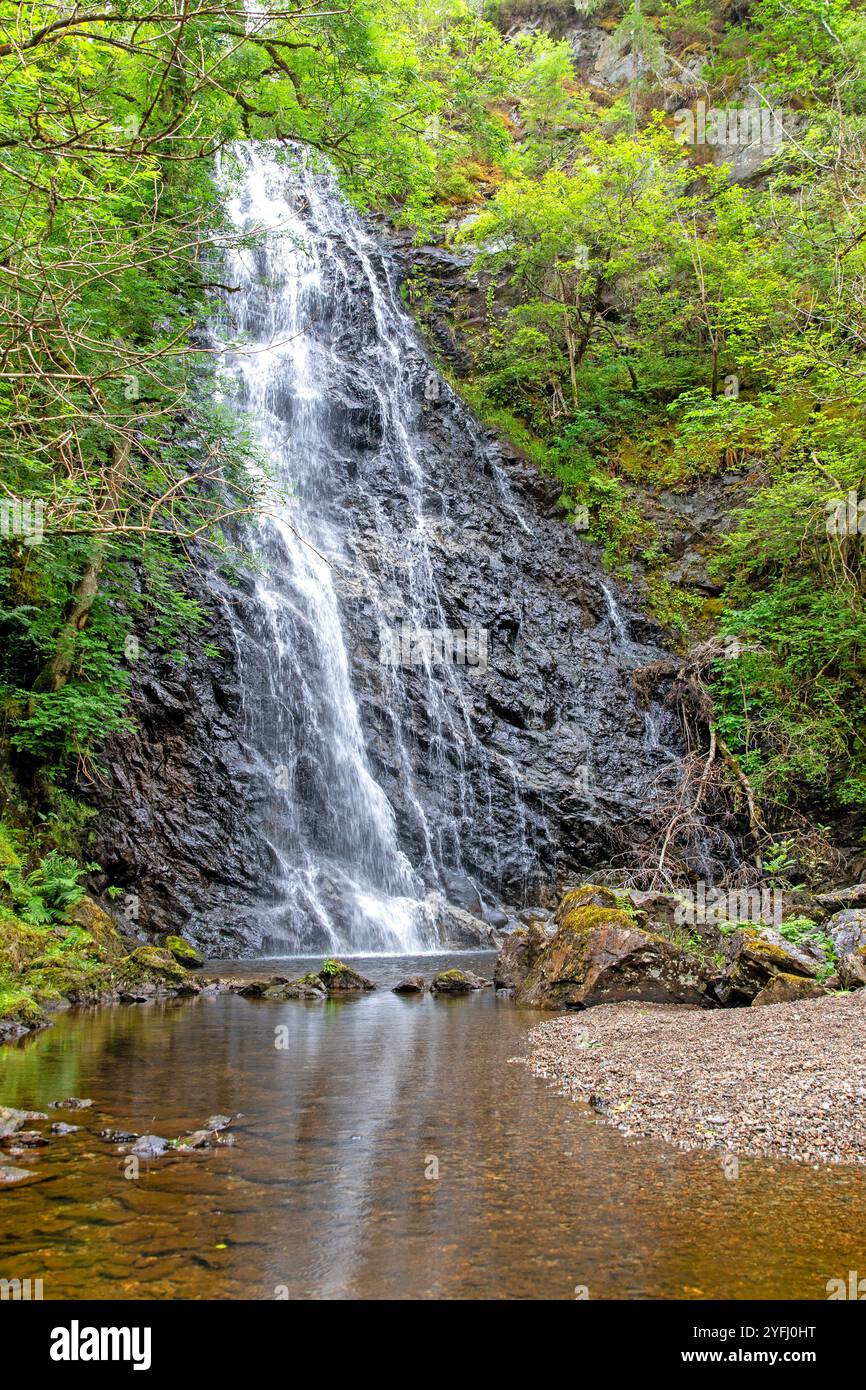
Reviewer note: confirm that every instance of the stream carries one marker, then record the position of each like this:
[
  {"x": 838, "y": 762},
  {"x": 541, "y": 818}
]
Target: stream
[{"x": 329, "y": 1190}]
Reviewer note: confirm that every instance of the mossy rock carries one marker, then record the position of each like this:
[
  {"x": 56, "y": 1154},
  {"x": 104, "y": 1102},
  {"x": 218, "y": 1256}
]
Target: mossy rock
[
  {"x": 153, "y": 964},
  {"x": 599, "y": 956},
  {"x": 97, "y": 923},
  {"x": 587, "y": 918},
  {"x": 339, "y": 978},
  {"x": 788, "y": 989},
  {"x": 184, "y": 952},
  {"x": 450, "y": 982}
]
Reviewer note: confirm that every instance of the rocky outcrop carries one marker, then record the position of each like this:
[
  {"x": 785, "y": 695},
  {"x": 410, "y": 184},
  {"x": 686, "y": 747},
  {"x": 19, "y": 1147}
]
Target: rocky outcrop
[{"x": 599, "y": 956}]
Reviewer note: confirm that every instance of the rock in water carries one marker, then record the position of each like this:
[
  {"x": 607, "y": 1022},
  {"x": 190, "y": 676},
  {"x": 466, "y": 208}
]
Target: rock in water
[
  {"x": 457, "y": 982},
  {"x": 339, "y": 978},
  {"x": 520, "y": 951},
  {"x": 412, "y": 984},
  {"x": 10, "y": 1174},
  {"x": 599, "y": 956}
]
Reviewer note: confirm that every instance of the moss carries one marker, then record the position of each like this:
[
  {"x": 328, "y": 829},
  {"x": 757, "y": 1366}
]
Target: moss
[
  {"x": 183, "y": 951},
  {"x": 586, "y": 919},
  {"x": 451, "y": 975}
]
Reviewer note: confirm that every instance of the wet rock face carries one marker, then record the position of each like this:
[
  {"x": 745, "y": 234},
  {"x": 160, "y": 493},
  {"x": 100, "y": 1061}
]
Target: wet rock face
[{"x": 535, "y": 763}]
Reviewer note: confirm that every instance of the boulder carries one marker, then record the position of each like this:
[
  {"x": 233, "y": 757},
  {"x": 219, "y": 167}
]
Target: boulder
[
  {"x": 412, "y": 984},
  {"x": 339, "y": 978},
  {"x": 456, "y": 982},
  {"x": 599, "y": 956},
  {"x": 788, "y": 989},
  {"x": 461, "y": 930},
  {"x": 518, "y": 953},
  {"x": 847, "y": 931},
  {"x": 760, "y": 955},
  {"x": 463, "y": 893}
]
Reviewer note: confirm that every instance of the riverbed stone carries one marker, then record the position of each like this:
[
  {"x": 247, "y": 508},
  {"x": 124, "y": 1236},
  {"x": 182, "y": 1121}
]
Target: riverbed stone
[
  {"x": 518, "y": 953},
  {"x": 599, "y": 956},
  {"x": 11, "y": 1120},
  {"x": 788, "y": 989},
  {"x": 149, "y": 1146},
  {"x": 9, "y": 1174}
]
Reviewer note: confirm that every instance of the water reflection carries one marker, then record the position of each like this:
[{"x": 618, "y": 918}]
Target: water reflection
[{"x": 326, "y": 1190}]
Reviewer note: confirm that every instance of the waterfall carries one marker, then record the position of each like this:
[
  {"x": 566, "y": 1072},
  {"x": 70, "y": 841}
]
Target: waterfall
[
  {"x": 384, "y": 769},
  {"x": 340, "y": 877}
]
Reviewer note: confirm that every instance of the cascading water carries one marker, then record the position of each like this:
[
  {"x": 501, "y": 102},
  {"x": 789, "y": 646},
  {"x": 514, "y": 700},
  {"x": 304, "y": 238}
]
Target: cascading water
[
  {"x": 340, "y": 876},
  {"x": 363, "y": 784}
]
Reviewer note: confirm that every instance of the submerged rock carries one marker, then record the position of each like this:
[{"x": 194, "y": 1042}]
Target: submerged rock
[
  {"x": 412, "y": 984},
  {"x": 788, "y": 989},
  {"x": 150, "y": 1146},
  {"x": 9, "y": 1174},
  {"x": 599, "y": 956},
  {"x": 71, "y": 1103},
  {"x": 28, "y": 1139},
  {"x": 519, "y": 953}
]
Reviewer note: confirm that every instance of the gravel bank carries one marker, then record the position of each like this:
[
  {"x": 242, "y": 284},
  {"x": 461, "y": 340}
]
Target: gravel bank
[{"x": 786, "y": 1080}]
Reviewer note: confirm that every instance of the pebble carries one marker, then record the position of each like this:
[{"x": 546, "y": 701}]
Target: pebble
[{"x": 784, "y": 1081}]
